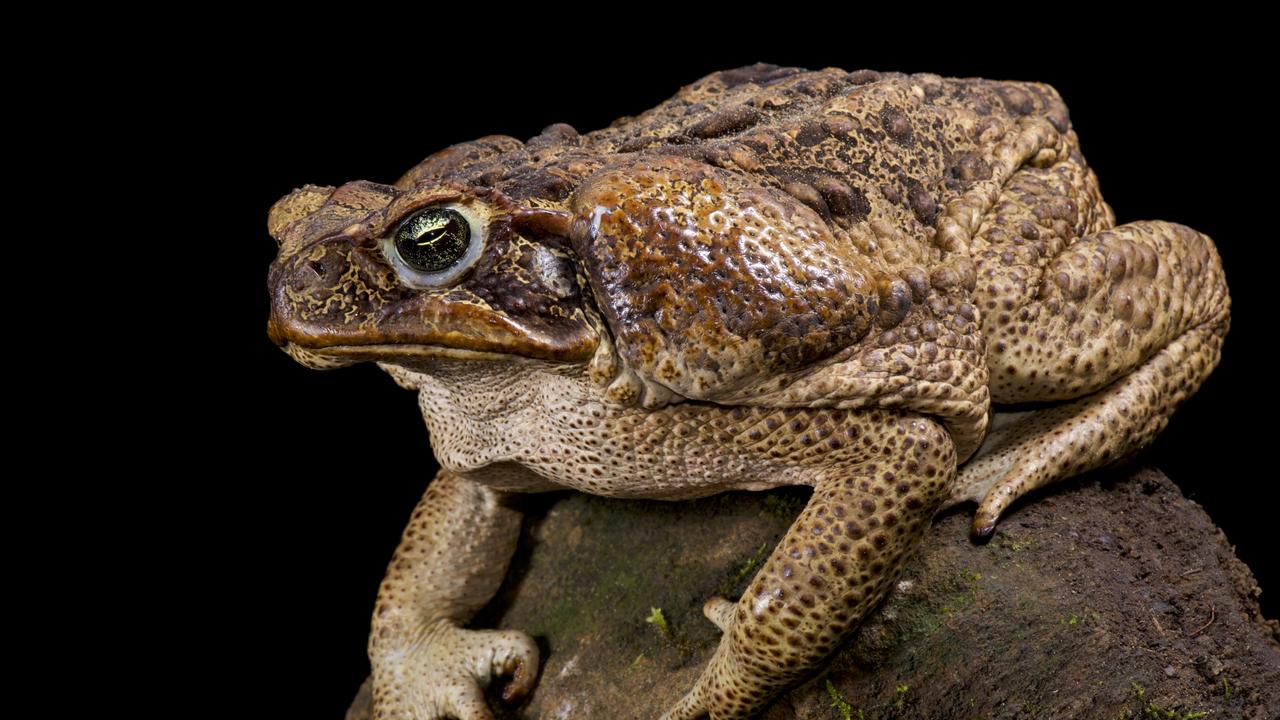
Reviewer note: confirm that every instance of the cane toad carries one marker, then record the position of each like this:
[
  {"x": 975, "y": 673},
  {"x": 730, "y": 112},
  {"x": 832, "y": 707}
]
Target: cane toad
[{"x": 775, "y": 277}]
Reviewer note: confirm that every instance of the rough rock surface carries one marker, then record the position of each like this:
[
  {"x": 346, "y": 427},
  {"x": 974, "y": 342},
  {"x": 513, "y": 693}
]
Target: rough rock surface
[{"x": 1109, "y": 597}]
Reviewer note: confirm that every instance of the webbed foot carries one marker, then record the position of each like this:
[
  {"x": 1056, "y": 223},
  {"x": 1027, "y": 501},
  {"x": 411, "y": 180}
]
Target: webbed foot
[{"x": 443, "y": 673}]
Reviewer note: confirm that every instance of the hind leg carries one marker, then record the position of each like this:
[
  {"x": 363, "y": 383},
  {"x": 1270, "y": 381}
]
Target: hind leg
[{"x": 1125, "y": 323}]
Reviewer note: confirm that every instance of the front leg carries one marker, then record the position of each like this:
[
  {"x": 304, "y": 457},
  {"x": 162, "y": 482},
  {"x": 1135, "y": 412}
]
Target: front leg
[
  {"x": 835, "y": 564},
  {"x": 451, "y": 560}
]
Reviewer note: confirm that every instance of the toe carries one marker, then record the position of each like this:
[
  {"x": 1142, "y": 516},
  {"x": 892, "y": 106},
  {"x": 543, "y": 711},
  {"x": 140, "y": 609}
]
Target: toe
[
  {"x": 992, "y": 506},
  {"x": 517, "y": 658},
  {"x": 719, "y": 611},
  {"x": 446, "y": 677}
]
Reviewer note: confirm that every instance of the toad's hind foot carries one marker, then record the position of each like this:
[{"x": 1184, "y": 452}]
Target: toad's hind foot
[{"x": 1032, "y": 449}]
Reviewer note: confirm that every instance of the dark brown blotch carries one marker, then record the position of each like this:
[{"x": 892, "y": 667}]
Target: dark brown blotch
[
  {"x": 843, "y": 199},
  {"x": 1017, "y": 100},
  {"x": 862, "y": 77},
  {"x": 809, "y": 195},
  {"x": 922, "y": 203},
  {"x": 812, "y": 133},
  {"x": 897, "y": 124},
  {"x": 966, "y": 169},
  {"x": 555, "y": 134},
  {"x": 725, "y": 121},
  {"x": 838, "y": 124},
  {"x": 759, "y": 73}
]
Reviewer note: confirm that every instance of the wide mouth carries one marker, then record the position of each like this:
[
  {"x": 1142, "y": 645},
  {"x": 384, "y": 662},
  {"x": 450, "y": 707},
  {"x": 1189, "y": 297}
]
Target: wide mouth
[{"x": 432, "y": 327}]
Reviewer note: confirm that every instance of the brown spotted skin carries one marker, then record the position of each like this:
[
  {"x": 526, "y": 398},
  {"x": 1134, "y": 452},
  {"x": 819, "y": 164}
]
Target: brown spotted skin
[{"x": 776, "y": 277}]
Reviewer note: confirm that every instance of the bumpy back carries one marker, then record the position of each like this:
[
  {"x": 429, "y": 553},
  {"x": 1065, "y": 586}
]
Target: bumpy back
[{"x": 765, "y": 219}]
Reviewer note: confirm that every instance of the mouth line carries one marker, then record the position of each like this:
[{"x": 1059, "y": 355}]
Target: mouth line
[{"x": 387, "y": 351}]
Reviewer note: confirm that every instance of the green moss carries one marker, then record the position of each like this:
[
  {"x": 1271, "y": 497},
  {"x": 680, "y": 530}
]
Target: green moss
[
  {"x": 957, "y": 595},
  {"x": 1087, "y": 616},
  {"x": 964, "y": 592},
  {"x": 1010, "y": 542},
  {"x": 900, "y": 696},
  {"x": 613, "y": 587},
  {"x": 659, "y": 621},
  {"x": 847, "y": 711},
  {"x": 1154, "y": 711},
  {"x": 566, "y": 620}
]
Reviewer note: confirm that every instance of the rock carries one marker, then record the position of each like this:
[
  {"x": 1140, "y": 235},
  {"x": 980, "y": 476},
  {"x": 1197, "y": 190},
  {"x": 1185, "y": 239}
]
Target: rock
[{"x": 1112, "y": 596}]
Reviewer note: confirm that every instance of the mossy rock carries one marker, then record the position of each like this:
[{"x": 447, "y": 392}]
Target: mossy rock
[{"x": 1110, "y": 597}]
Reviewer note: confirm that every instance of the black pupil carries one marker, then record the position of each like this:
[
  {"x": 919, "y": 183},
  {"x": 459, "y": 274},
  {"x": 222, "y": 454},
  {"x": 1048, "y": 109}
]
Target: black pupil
[{"x": 433, "y": 240}]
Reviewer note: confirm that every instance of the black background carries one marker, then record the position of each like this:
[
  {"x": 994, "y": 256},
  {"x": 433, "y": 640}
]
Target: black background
[{"x": 319, "y": 471}]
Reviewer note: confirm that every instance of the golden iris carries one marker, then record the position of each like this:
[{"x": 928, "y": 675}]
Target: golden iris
[{"x": 434, "y": 239}]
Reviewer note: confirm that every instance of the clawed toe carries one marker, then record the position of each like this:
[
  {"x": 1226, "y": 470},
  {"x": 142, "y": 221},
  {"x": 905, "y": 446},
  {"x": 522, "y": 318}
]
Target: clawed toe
[
  {"x": 719, "y": 611},
  {"x": 517, "y": 660},
  {"x": 445, "y": 676},
  {"x": 992, "y": 507}
]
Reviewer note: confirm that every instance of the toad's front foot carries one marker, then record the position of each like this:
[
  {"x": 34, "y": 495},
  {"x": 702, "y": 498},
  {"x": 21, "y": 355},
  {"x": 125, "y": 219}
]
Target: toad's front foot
[
  {"x": 449, "y": 563},
  {"x": 443, "y": 672}
]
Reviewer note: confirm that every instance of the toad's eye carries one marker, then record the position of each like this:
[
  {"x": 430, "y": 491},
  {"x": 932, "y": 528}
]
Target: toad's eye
[
  {"x": 433, "y": 240},
  {"x": 434, "y": 246}
]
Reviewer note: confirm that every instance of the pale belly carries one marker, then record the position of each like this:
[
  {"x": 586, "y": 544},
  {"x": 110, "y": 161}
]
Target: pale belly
[{"x": 549, "y": 432}]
